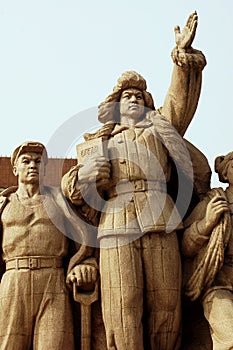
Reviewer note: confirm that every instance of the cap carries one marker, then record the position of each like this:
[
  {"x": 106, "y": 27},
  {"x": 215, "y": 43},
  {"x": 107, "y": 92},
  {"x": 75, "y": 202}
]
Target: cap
[{"x": 29, "y": 146}]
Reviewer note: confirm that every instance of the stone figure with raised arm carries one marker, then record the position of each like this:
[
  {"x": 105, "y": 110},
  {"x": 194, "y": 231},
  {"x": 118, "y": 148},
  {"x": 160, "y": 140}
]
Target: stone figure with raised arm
[
  {"x": 208, "y": 240},
  {"x": 139, "y": 255},
  {"x": 35, "y": 309}
]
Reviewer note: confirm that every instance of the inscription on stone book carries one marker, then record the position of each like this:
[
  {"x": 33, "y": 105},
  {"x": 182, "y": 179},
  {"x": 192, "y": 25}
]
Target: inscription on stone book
[{"x": 90, "y": 149}]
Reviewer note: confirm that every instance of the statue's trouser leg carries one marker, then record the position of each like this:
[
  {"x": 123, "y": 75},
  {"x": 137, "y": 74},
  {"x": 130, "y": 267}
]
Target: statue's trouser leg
[
  {"x": 161, "y": 260},
  {"x": 144, "y": 274},
  {"x": 218, "y": 310},
  {"x": 54, "y": 323},
  {"x": 35, "y": 309},
  {"x": 122, "y": 295}
]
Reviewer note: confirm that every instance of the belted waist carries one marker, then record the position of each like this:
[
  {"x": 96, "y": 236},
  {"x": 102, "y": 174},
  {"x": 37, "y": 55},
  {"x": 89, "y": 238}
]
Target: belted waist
[
  {"x": 33, "y": 263},
  {"x": 136, "y": 186}
]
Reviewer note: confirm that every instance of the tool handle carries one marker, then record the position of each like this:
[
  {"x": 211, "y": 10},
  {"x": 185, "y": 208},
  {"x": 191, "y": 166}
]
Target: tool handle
[
  {"x": 85, "y": 327},
  {"x": 85, "y": 297}
]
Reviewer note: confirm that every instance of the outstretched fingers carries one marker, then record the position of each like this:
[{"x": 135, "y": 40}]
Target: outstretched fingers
[
  {"x": 177, "y": 30},
  {"x": 192, "y": 20}
]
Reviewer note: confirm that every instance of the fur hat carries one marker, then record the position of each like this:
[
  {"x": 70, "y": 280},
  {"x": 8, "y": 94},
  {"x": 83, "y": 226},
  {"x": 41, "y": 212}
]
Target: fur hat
[{"x": 129, "y": 79}]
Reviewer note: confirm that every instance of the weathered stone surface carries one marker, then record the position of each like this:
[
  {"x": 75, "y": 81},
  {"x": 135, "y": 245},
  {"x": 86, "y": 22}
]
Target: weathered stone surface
[
  {"x": 208, "y": 243},
  {"x": 128, "y": 162},
  {"x": 35, "y": 306}
]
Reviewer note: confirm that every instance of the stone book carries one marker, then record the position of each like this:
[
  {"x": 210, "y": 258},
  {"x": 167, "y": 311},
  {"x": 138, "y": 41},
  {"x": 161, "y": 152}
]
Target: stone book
[{"x": 90, "y": 149}]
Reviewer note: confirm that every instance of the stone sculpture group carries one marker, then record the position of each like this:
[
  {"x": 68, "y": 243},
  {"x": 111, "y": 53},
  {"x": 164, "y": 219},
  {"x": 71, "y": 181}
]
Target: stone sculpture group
[{"x": 133, "y": 226}]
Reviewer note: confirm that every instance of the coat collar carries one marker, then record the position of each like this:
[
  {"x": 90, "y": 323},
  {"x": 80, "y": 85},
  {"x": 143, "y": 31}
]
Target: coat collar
[{"x": 145, "y": 123}]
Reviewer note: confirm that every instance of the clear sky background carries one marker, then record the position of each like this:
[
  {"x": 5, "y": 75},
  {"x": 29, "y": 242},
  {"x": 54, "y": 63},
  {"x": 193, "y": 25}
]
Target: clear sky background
[{"x": 61, "y": 57}]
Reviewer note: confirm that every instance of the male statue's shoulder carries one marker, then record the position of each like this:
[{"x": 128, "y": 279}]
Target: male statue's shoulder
[
  {"x": 5, "y": 195},
  {"x": 8, "y": 191},
  {"x": 157, "y": 118},
  {"x": 104, "y": 132},
  {"x": 3, "y": 200}
]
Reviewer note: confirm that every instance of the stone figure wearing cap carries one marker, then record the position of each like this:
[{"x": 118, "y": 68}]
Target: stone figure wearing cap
[
  {"x": 208, "y": 242},
  {"x": 139, "y": 254},
  {"x": 35, "y": 310}
]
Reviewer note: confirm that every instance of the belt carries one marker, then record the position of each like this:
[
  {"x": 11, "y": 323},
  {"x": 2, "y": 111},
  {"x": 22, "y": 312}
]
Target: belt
[
  {"x": 33, "y": 263},
  {"x": 136, "y": 186}
]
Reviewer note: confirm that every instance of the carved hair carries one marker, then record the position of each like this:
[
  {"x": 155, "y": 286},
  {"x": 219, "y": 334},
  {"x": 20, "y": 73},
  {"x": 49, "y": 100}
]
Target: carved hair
[
  {"x": 221, "y": 165},
  {"x": 108, "y": 109}
]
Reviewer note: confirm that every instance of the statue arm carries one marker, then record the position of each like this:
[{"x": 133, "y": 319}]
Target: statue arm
[
  {"x": 201, "y": 223},
  {"x": 70, "y": 187},
  {"x": 82, "y": 265},
  {"x": 193, "y": 240},
  {"x": 183, "y": 94},
  {"x": 83, "y": 181}
]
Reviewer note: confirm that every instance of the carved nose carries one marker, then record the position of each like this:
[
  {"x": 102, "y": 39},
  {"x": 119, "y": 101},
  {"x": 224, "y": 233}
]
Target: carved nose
[{"x": 133, "y": 99}]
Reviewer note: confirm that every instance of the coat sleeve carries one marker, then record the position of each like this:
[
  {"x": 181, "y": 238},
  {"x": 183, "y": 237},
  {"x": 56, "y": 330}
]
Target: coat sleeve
[
  {"x": 192, "y": 240},
  {"x": 183, "y": 94},
  {"x": 70, "y": 188},
  {"x": 81, "y": 196}
]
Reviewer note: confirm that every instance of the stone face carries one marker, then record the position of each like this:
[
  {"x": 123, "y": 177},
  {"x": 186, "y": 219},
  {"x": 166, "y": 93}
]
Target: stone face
[{"x": 55, "y": 169}]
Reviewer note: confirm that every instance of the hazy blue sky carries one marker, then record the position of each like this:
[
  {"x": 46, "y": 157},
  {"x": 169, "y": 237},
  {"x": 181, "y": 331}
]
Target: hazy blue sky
[{"x": 60, "y": 57}]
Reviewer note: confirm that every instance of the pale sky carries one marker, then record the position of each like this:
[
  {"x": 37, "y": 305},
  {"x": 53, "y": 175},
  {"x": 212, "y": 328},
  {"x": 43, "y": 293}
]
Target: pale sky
[{"x": 62, "y": 57}]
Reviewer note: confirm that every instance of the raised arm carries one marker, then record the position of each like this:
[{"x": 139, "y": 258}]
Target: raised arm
[{"x": 183, "y": 94}]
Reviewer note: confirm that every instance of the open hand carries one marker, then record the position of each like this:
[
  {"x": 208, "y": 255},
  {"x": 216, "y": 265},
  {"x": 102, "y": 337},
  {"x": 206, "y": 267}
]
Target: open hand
[{"x": 185, "y": 38}]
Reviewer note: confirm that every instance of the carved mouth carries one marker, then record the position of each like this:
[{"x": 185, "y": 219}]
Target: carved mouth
[
  {"x": 134, "y": 106},
  {"x": 33, "y": 173}
]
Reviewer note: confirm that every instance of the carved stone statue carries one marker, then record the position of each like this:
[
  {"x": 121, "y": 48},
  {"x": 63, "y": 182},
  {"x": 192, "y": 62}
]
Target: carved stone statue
[
  {"x": 35, "y": 308},
  {"x": 139, "y": 254},
  {"x": 208, "y": 240}
]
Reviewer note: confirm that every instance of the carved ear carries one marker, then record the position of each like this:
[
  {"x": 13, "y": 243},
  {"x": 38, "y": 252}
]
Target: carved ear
[{"x": 15, "y": 172}]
